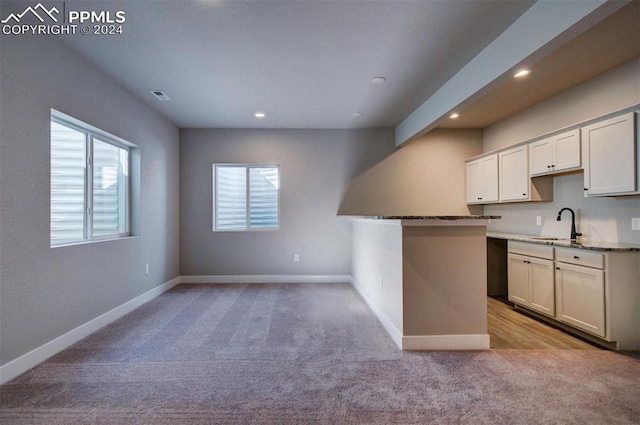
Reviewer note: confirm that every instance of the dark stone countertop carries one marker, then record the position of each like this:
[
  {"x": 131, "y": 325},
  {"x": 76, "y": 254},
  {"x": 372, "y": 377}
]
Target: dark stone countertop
[
  {"x": 567, "y": 243},
  {"x": 430, "y": 217}
]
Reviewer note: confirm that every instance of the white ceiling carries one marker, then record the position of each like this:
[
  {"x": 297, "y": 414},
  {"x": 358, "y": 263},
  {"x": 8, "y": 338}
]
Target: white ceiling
[{"x": 307, "y": 64}]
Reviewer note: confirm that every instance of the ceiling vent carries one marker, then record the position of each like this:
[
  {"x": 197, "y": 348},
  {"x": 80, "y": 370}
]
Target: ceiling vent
[{"x": 159, "y": 94}]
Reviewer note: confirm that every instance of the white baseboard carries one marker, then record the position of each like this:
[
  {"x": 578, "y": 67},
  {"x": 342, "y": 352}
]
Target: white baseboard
[
  {"x": 266, "y": 279},
  {"x": 446, "y": 342},
  {"x": 424, "y": 342},
  {"x": 42, "y": 353},
  {"x": 393, "y": 332},
  {"x": 427, "y": 342}
]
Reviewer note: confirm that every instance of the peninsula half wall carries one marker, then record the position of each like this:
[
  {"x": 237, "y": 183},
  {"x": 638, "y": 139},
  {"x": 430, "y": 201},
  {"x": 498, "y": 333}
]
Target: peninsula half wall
[{"x": 425, "y": 278}]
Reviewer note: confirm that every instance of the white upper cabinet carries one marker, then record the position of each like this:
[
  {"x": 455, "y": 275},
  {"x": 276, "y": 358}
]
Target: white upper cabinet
[
  {"x": 514, "y": 174},
  {"x": 567, "y": 151},
  {"x": 555, "y": 154},
  {"x": 514, "y": 181},
  {"x": 609, "y": 156},
  {"x": 540, "y": 157},
  {"x": 482, "y": 180},
  {"x": 608, "y": 151}
]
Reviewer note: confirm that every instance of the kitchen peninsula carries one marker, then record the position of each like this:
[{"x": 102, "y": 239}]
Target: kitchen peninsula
[{"x": 425, "y": 278}]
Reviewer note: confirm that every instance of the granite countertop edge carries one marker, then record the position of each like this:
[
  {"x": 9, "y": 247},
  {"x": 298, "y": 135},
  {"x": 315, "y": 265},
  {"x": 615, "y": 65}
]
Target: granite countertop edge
[
  {"x": 428, "y": 217},
  {"x": 566, "y": 243}
]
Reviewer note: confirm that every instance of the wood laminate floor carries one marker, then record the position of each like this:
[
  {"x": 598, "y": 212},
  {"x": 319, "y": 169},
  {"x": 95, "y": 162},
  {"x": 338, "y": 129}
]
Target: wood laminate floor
[{"x": 509, "y": 329}]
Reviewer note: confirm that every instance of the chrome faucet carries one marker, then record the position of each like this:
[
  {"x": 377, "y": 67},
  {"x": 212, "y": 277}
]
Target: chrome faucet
[{"x": 574, "y": 234}]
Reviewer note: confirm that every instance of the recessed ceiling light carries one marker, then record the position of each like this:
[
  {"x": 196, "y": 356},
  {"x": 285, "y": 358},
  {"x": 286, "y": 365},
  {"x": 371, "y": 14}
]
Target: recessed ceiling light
[
  {"x": 378, "y": 80},
  {"x": 454, "y": 116},
  {"x": 357, "y": 114},
  {"x": 160, "y": 95},
  {"x": 522, "y": 73},
  {"x": 259, "y": 115}
]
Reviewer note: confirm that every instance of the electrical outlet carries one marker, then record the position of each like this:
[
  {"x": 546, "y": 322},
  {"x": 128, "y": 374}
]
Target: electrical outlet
[
  {"x": 146, "y": 268},
  {"x": 635, "y": 224},
  {"x": 538, "y": 221},
  {"x": 296, "y": 257}
]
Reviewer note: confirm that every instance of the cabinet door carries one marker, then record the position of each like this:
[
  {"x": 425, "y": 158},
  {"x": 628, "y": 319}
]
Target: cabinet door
[
  {"x": 541, "y": 157},
  {"x": 514, "y": 174},
  {"x": 580, "y": 297},
  {"x": 609, "y": 156},
  {"x": 474, "y": 182},
  {"x": 518, "y": 279},
  {"x": 566, "y": 151},
  {"x": 482, "y": 180},
  {"x": 542, "y": 288},
  {"x": 490, "y": 178}
]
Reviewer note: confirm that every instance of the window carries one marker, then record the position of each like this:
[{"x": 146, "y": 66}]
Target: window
[
  {"x": 245, "y": 197},
  {"x": 89, "y": 182}
]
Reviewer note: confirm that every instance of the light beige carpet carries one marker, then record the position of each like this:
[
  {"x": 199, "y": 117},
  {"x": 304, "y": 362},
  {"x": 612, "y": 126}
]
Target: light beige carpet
[{"x": 305, "y": 354}]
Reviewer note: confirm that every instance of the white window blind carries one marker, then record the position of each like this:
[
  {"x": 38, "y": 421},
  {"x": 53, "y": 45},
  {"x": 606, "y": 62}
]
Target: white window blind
[
  {"x": 109, "y": 188},
  {"x": 246, "y": 197},
  {"x": 89, "y": 183},
  {"x": 68, "y": 160},
  {"x": 263, "y": 197}
]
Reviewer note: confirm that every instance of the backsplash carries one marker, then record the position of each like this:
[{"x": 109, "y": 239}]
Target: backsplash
[{"x": 598, "y": 219}]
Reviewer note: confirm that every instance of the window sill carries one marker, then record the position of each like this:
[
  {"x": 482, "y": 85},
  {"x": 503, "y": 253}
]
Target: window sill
[
  {"x": 93, "y": 241},
  {"x": 253, "y": 229}
]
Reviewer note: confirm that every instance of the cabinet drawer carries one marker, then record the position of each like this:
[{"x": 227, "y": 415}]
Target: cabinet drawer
[
  {"x": 580, "y": 257},
  {"x": 531, "y": 249}
]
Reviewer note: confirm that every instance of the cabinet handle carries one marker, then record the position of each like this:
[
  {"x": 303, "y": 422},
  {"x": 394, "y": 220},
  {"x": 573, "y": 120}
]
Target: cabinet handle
[
  {"x": 553, "y": 166},
  {"x": 586, "y": 188},
  {"x": 575, "y": 257},
  {"x": 479, "y": 199},
  {"x": 548, "y": 166},
  {"x": 558, "y": 268},
  {"x": 524, "y": 194}
]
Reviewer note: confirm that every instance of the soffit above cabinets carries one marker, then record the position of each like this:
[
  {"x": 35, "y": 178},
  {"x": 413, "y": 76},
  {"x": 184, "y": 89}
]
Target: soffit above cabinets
[{"x": 610, "y": 43}]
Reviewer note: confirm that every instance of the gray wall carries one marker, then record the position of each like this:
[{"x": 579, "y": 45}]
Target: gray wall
[
  {"x": 413, "y": 276},
  {"x": 377, "y": 267},
  {"x": 47, "y": 292},
  {"x": 600, "y": 219},
  {"x": 444, "y": 271},
  {"x": 315, "y": 166},
  {"x": 426, "y": 177}
]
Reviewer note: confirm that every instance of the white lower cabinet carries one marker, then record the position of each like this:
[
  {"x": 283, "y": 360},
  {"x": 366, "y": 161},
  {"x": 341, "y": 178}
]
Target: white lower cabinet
[
  {"x": 595, "y": 293},
  {"x": 531, "y": 279},
  {"x": 518, "y": 271},
  {"x": 580, "y": 297},
  {"x": 580, "y": 289},
  {"x": 542, "y": 286}
]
